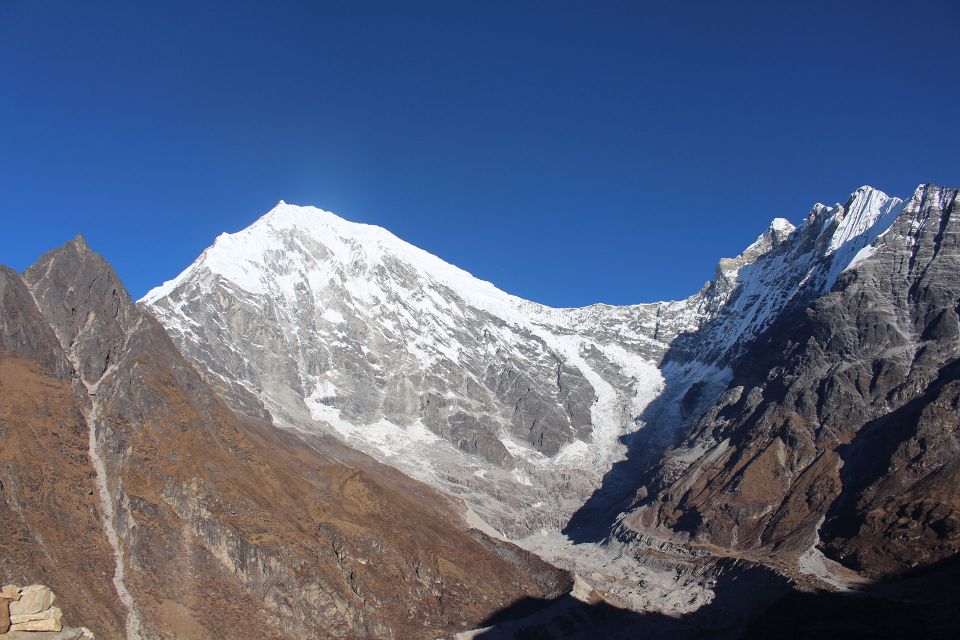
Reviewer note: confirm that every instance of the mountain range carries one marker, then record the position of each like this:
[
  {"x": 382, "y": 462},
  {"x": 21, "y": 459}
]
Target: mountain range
[{"x": 320, "y": 430}]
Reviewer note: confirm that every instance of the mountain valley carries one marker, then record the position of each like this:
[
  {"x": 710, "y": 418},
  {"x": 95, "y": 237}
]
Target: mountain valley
[{"x": 320, "y": 430}]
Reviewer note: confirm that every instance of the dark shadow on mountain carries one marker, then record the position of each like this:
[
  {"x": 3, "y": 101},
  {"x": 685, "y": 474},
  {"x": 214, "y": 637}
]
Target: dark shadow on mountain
[
  {"x": 755, "y": 603},
  {"x": 869, "y": 457},
  {"x": 669, "y": 417},
  {"x": 567, "y": 617},
  {"x": 618, "y": 489},
  {"x": 920, "y": 603},
  {"x": 800, "y": 616},
  {"x": 665, "y": 420}
]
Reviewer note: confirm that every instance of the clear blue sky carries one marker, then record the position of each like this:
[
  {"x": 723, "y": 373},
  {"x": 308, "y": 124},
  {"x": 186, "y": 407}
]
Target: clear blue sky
[{"x": 569, "y": 152}]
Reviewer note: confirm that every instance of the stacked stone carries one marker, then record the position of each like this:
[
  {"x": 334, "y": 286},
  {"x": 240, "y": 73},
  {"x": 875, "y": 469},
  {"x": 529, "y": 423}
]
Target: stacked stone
[{"x": 28, "y": 612}]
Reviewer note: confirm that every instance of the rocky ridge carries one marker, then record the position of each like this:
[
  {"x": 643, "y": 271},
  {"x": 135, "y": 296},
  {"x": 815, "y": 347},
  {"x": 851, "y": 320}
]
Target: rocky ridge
[
  {"x": 209, "y": 524},
  {"x": 840, "y": 422}
]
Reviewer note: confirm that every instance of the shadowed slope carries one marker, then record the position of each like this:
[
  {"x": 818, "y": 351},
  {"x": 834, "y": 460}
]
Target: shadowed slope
[{"x": 845, "y": 409}]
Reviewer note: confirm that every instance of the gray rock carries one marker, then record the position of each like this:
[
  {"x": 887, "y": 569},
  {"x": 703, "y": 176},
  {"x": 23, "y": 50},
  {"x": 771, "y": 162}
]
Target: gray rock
[
  {"x": 23, "y": 332},
  {"x": 33, "y": 599}
]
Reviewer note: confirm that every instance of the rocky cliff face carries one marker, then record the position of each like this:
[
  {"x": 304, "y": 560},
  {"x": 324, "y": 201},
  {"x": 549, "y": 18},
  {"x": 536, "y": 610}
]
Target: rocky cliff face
[
  {"x": 844, "y": 413},
  {"x": 209, "y": 525},
  {"x": 52, "y": 532},
  {"x": 24, "y": 333}
]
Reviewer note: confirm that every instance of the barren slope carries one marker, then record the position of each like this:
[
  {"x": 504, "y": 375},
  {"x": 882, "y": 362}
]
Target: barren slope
[{"x": 228, "y": 527}]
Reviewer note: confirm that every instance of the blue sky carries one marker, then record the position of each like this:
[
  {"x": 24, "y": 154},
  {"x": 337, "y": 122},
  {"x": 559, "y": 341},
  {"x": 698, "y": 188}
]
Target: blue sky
[{"x": 569, "y": 152}]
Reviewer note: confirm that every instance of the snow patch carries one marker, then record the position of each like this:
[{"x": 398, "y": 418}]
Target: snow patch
[
  {"x": 781, "y": 225},
  {"x": 332, "y": 316},
  {"x": 861, "y": 255}
]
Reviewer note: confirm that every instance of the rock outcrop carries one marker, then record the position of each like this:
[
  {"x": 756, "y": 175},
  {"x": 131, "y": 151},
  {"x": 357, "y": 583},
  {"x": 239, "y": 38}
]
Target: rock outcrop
[
  {"x": 52, "y": 530},
  {"x": 8, "y": 594}
]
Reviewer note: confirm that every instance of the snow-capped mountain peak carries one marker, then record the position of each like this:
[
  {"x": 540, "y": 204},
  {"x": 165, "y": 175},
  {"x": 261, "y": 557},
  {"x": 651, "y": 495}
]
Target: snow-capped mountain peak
[
  {"x": 781, "y": 226},
  {"x": 316, "y": 246},
  {"x": 343, "y": 327}
]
